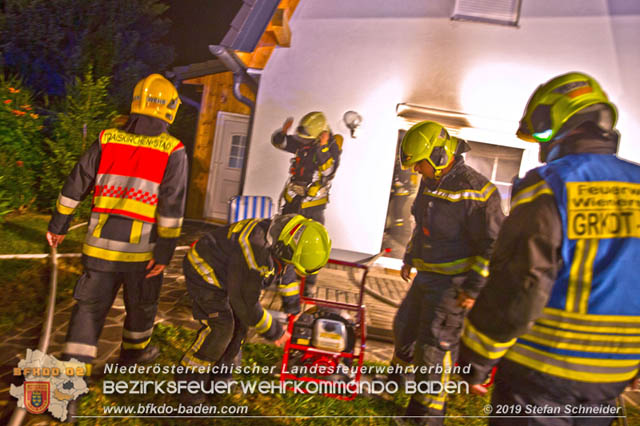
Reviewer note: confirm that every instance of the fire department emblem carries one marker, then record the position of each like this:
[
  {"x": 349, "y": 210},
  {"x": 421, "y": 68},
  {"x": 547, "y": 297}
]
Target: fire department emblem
[{"x": 36, "y": 397}]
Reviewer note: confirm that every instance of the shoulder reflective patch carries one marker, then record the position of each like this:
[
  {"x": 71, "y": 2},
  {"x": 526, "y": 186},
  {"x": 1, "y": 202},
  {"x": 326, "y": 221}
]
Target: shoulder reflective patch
[
  {"x": 530, "y": 193},
  {"x": 237, "y": 227},
  {"x": 603, "y": 210},
  {"x": 465, "y": 194}
]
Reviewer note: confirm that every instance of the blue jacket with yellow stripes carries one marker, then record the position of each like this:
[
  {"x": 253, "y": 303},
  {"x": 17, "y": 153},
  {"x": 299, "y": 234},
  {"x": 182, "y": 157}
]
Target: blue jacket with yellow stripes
[
  {"x": 237, "y": 259},
  {"x": 562, "y": 298},
  {"x": 457, "y": 222}
]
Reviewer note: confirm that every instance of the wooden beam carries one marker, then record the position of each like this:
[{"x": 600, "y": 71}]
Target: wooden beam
[
  {"x": 217, "y": 95},
  {"x": 277, "y": 33}
]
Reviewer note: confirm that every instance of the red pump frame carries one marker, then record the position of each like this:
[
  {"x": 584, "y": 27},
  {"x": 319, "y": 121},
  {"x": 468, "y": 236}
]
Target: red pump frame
[{"x": 359, "y": 308}]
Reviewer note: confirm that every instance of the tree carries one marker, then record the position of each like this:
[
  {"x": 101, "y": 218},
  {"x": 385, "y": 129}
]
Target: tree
[
  {"x": 51, "y": 42},
  {"x": 85, "y": 112}
]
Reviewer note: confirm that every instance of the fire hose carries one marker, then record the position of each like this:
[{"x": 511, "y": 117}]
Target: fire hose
[{"x": 45, "y": 338}]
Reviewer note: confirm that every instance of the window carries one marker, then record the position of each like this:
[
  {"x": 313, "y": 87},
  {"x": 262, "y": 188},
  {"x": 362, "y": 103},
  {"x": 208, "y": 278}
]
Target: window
[
  {"x": 499, "y": 164},
  {"x": 238, "y": 147},
  {"x": 504, "y": 12}
]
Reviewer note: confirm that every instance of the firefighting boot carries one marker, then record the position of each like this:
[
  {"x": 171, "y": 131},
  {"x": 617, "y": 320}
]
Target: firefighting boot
[{"x": 138, "y": 356}]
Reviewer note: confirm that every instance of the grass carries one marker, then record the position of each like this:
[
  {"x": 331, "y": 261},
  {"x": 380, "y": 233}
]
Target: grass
[
  {"x": 27, "y": 281},
  {"x": 316, "y": 409}
]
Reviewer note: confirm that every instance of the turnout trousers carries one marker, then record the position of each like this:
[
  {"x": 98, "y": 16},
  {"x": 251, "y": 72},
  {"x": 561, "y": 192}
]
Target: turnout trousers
[
  {"x": 221, "y": 336},
  {"x": 94, "y": 293},
  {"x": 539, "y": 399},
  {"x": 426, "y": 332}
]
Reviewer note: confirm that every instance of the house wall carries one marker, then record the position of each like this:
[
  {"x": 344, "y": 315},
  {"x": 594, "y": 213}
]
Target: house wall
[{"x": 370, "y": 55}]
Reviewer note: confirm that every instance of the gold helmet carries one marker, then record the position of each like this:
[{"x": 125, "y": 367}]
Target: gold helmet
[{"x": 157, "y": 97}]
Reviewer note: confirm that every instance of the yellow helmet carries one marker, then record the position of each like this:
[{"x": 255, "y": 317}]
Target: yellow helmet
[
  {"x": 429, "y": 141},
  {"x": 563, "y": 103},
  {"x": 312, "y": 125},
  {"x": 157, "y": 97},
  {"x": 301, "y": 242}
]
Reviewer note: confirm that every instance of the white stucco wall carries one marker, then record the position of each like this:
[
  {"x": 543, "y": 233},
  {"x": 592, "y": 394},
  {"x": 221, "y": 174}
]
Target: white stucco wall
[{"x": 370, "y": 55}]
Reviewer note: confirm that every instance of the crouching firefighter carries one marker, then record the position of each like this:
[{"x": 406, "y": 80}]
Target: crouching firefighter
[
  {"x": 458, "y": 215},
  {"x": 226, "y": 271},
  {"x": 138, "y": 175},
  {"x": 317, "y": 156}
]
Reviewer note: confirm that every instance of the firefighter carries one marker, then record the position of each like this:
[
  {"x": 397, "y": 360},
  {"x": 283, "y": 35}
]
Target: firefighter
[
  {"x": 457, "y": 213},
  {"x": 317, "y": 156},
  {"x": 226, "y": 271},
  {"x": 138, "y": 175},
  {"x": 398, "y": 228},
  {"x": 561, "y": 310}
]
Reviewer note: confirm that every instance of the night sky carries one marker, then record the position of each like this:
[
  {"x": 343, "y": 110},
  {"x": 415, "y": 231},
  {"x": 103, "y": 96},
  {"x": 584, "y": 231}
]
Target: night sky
[{"x": 196, "y": 25}]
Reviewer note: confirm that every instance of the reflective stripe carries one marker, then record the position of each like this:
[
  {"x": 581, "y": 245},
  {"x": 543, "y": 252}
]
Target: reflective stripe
[
  {"x": 265, "y": 322},
  {"x": 530, "y": 193},
  {"x": 136, "y": 334},
  {"x": 481, "y": 266},
  {"x": 169, "y": 222},
  {"x": 584, "y": 342},
  {"x": 237, "y": 227},
  {"x": 328, "y": 164},
  {"x": 168, "y": 232},
  {"x": 202, "y": 267},
  {"x": 163, "y": 142},
  {"x": 82, "y": 349},
  {"x": 68, "y": 202},
  {"x": 436, "y": 402},
  {"x": 477, "y": 263},
  {"x": 618, "y": 324},
  {"x": 581, "y": 275},
  {"x": 124, "y": 185},
  {"x": 465, "y": 194},
  {"x": 243, "y": 239},
  {"x": 141, "y": 345},
  {"x": 66, "y": 205},
  {"x": 314, "y": 203},
  {"x": 115, "y": 256},
  {"x": 102, "y": 219},
  {"x": 573, "y": 368},
  {"x": 140, "y": 209},
  {"x": 189, "y": 358},
  {"x": 483, "y": 344},
  {"x": 119, "y": 246},
  {"x": 136, "y": 231},
  {"x": 291, "y": 289}
]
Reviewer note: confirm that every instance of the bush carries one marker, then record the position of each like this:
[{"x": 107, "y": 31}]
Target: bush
[{"x": 21, "y": 155}]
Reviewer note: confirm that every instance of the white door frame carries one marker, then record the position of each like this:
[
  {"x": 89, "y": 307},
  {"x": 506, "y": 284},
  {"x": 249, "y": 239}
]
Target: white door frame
[{"x": 217, "y": 153}]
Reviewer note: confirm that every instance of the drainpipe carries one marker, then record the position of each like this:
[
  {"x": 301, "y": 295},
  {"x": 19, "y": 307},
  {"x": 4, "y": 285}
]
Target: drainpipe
[{"x": 240, "y": 76}]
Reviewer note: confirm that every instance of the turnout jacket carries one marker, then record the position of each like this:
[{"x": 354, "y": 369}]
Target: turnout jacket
[
  {"x": 237, "y": 260},
  {"x": 457, "y": 221},
  {"x": 138, "y": 178},
  {"x": 312, "y": 168},
  {"x": 563, "y": 296}
]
